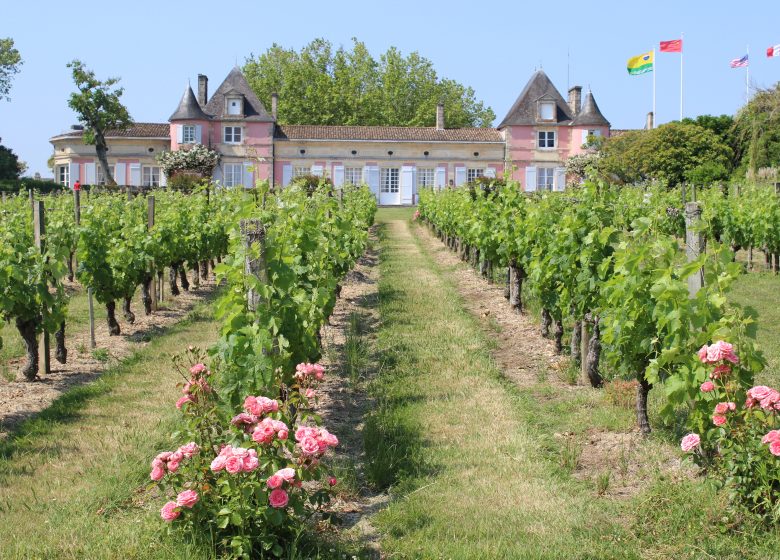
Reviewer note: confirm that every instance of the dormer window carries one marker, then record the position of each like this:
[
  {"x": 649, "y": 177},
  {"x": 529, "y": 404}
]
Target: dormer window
[
  {"x": 235, "y": 106},
  {"x": 546, "y": 110}
]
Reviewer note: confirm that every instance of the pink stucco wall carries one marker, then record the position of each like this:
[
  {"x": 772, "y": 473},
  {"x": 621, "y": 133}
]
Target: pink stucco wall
[{"x": 576, "y": 146}]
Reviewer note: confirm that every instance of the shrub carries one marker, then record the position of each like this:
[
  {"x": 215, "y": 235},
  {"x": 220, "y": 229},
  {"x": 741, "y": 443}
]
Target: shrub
[
  {"x": 251, "y": 482},
  {"x": 186, "y": 181},
  {"x": 25, "y": 184},
  {"x": 197, "y": 158},
  {"x": 313, "y": 183}
]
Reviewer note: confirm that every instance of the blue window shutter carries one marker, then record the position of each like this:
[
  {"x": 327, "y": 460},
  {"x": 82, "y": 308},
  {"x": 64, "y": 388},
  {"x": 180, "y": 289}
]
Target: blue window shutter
[
  {"x": 120, "y": 173},
  {"x": 179, "y": 133},
  {"x": 338, "y": 175},
  {"x": 460, "y": 176},
  {"x": 286, "y": 174},
  {"x": 198, "y": 134},
  {"x": 530, "y": 179}
]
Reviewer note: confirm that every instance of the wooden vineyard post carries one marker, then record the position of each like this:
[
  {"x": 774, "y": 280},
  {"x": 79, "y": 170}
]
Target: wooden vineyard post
[
  {"x": 32, "y": 201},
  {"x": 39, "y": 225},
  {"x": 253, "y": 231},
  {"x": 584, "y": 340},
  {"x": 341, "y": 197},
  {"x": 91, "y": 299},
  {"x": 3, "y": 196},
  {"x": 694, "y": 244},
  {"x": 149, "y": 226}
]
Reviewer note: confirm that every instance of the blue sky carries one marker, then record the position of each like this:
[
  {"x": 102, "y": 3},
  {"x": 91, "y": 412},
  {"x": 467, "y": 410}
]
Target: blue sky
[{"x": 491, "y": 45}]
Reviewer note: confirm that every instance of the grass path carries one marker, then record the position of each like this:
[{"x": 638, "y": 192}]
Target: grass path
[
  {"x": 475, "y": 463},
  {"x": 71, "y": 482}
]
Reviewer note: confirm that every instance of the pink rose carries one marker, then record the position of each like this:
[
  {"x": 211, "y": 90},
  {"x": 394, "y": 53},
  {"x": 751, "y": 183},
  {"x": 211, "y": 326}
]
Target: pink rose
[
  {"x": 310, "y": 393},
  {"x": 182, "y": 401},
  {"x": 721, "y": 351},
  {"x": 173, "y": 466},
  {"x": 250, "y": 463},
  {"x": 287, "y": 474},
  {"x": 332, "y": 480},
  {"x": 774, "y": 448},
  {"x": 718, "y": 420},
  {"x": 310, "y": 446},
  {"x": 305, "y": 431},
  {"x": 197, "y": 369},
  {"x": 157, "y": 473},
  {"x": 164, "y": 456},
  {"x": 774, "y": 435},
  {"x": 234, "y": 464},
  {"x": 189, "y": 449},
  {"x": 703, "y": 353},
  {"x": 264, "y": 432},
  {"x": 720, "y": 371},
  {"x": 187, "y": 499},
  {"x": 721, "y": 408},
  {"x": 218, "y": 463},
  {"x": 169, "y": 511},
  {"x": 689, "y": 442},
  {"x": 278, "y": 498},
  {"x": 244, "y": 420},
  {"x": 282, "y": 434},
  {"x": 707, "y": 386},
  {"x": 274, "y": 481}
]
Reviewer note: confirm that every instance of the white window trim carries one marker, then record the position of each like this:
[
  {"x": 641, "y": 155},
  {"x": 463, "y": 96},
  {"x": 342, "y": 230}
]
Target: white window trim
[
  {"x": 150, "y": 176},
  {"x": 548, "y": 173},
  {"x": 64, "y": 178},
  {"x": 240, "y": 106},
  {"x": 472, "y": 173},
  {"x": 389, "y": 180},
  {"x": 547, "y": 132},
  {"x": 233, "y": 174},
  {"x": 233, "y": 130},
  {"x": 426, "y": 177},
  {"x": 353, "y": 175},
  {"x": 184, "y": 136},
  {"x": 543, "y": 104},
  {"x": 300, "y": 171}
]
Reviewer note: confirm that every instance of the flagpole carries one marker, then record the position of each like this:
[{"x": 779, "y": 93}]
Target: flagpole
[
  {"x": 655, "y": 67},
  {"x": 747, "y": 75},
  {"x": 682, "y": 49}
]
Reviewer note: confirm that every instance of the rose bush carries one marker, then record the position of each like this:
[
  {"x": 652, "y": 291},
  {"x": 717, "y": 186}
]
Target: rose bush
[
  {"x": 244, "y": 482},
  {"x": 740, "y": 444}
]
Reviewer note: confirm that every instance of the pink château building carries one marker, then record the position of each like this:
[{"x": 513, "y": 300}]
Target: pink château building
[{"x": 533, "y": 141}]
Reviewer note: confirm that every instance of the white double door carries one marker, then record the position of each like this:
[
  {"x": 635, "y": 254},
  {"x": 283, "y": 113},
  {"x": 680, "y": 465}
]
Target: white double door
[{"x": 389, "y": 185}]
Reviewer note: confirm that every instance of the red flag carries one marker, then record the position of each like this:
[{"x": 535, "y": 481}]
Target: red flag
[{"x": 674, "y": 45}]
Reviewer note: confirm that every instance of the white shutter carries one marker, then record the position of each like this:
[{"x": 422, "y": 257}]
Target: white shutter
[
  {"x": 179, "y": 134},
  {"x": 317, "y": 170},
  {"x": 490, "y": 172},
  {"x": 560, "y": 179},
  {"x": 530, "y": 179},
  {"x": 248, "y": 182},
  {"x": 120, "y": 174},
  {"x": 407, "y": 183},
  {"x": 216, "y": 175},
  {"x": 163, "y": 178},
  {"x": 371, "y": 178},
  {"x": 584, "y": 136},
  {"x": 198, "y": 134},
  {"x": 338, "y": 175},
  {"x": 286, "y": 174},
  {"x": 74, "y": 173},
  {"x": 135, "y": 174},
  {"x": 89, "y": 174},
  {"x": 441, "y": 177},
  {"x": 460, "y": 176}
]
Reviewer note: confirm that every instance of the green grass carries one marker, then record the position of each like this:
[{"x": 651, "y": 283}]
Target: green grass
[{"x": 473, "y": 461}]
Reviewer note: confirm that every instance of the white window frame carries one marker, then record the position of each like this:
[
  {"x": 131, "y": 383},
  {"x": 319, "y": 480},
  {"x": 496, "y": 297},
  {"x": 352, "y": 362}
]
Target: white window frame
[
  {"x": 63, "y": 174},
  {"x": 542, "y": 106},
  {"x": 232, "y": 134},
  {"x": 239, "y": 103},
  {"x": 473, "y": 172},
  {"x": 99, "y": 179},
  {"x": 233, "y": 174},
  {"x": 426, "y": 177},
  {"x": 543, "y": 138},
  {"x": 188, "y": 134},
  {"x": 545, "y": 178},
  {"x": 151, "y": 176},
  {"x": 353, "y": 175},
  {"x": 300, "y": 171},
  {"x": 389, "y": 180}
]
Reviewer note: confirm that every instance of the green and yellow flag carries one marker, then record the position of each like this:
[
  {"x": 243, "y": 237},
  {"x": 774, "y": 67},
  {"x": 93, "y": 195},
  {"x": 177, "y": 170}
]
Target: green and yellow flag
[{"x": 641, "y": 64}]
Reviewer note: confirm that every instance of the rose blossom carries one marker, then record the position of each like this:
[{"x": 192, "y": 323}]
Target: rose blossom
[
  {"x": 723, "y": 407},
  {"x": 774, "y": 448},
  {"x": 689, "y": 442},
  {"x": 774, "y": 435},
  {"x": 287, "y": 474},
  {"x": 260, "y": 405},
  {"x": 234, "y": 464},
  {"x": 703, "y": 353},
  {"x": 274, "y": 481},
  {"x": 251, "y": 462},
  {"x": 310, "y": 446},
  {"x": 182, "y": 401},
  {"x": 310, "y": 393},
  {"x": 278, "y": 498},
  {"x": 169, "y": 511},
  {"x": 707, "y": 386},
  {"x": 332, "y": 480},
  {"x": 189, "y": 449},
  {"x": 718, "y": 420},
  {"x": 197, "y": 369},
  {"x": 157, "y": 473},
  {"x": 244, "y": 420},
  {"x": 187, "y": 498},
  {"x": 218, "y": 463}
]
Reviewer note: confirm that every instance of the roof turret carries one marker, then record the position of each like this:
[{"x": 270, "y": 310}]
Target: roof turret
[
  {"x": 188, "y": 109},
  {"x": 590, "y": 115}
]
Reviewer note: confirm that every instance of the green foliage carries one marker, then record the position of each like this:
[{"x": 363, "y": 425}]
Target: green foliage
[
  {"x": 10, "y": 61},
  {"x": 323, "y": 85},
  {"x": 26, "y": 183},
  {"x": 758, "y": 130},
  {"x": 9, "y": 164},
  {"x": 667, "y": 154}
]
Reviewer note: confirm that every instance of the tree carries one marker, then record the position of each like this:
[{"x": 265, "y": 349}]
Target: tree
[
  {"x": 671, "y": 153},
  {"x": 9, "y": 164},
  {"x": 10, "y": 61},
  {"x": 323, "y": 85},
  {"x": 758, "y": 130},
  {"x": 99, "y": 110},
  {"x": 724, "y": 128}
]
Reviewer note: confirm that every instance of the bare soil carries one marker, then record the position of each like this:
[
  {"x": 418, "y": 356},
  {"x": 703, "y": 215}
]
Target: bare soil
[
  {"x": 21, "y": 399},
  {"x": 342, "y": 403}
]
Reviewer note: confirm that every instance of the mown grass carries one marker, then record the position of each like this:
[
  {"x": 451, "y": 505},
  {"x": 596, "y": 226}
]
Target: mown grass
[{"x": 473, "y": 461}]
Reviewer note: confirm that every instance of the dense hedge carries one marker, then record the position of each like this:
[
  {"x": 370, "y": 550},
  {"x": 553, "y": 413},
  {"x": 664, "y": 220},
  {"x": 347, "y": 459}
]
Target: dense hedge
[{"x": 24, "y": 184}]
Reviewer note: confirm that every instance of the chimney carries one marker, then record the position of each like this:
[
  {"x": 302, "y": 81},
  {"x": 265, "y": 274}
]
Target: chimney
[
  {"x": 274, "y": 104},
  {"x": 575, "y": 100},
  {"x": 203, "y": 90},
  {"x": 650, "y": 121},
  {"x": 440, "y": 116}
]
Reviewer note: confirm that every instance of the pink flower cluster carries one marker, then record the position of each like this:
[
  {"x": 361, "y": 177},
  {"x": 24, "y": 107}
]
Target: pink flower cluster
[
  {"x": 719, "y": 418},
  {"x": 690, "y": 442},
  {"x": 707, "y": 387},
  {"x": 416, "y": 214},
  {"x": 305, "y": 371},
  {"x": 773, "y": 439},
  {"x": 235, "y": 460},
  {"x": 766, "y": 397},
  {"x": 260, "y": 405},
  {"x": 196, "y": 385},
  {"x": 278, "y": 497},
  {"x": 172, "y": 510},
  {"x": 314, "y": 442},
  {"x": 168, "y": 461},
  {"x": 720, "y": 351},
  {"x": 268, "y": 428}
]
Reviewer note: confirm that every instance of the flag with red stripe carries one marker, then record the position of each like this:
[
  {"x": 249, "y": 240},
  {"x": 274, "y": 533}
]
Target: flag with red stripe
[
  {"x": 675, "y": 45},
  {"x": 773, "y": 51}
]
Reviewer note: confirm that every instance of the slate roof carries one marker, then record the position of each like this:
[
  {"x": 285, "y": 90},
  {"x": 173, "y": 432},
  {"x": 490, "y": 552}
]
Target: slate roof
[
  {"x": 136, "y": 130},
  {"x": 387, "y": 133},
  {"x": 236, "y": 83},
  {"x": 189, "y": 108},
  {"x": 524, "y": 111},
  {"x": 590, "y": 115}
]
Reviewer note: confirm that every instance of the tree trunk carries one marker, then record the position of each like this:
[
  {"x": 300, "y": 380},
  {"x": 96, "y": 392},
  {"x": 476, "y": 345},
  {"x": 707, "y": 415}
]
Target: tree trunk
[
  {"x": 546, "y": 322},
  {"x": 483, "y": 266},
  {"x": 474, "y": 257},
  {"x": 183, "y": 276},
  {"x": 642, "y": 390},
  {"x": 204, "y": 270},
  {"x": 576, "y": 341},
  {"x": 101, "y": 148},
  {"x": 61, "y": 354},
  {"x": 70, "y": 267},
  {"x": 558, "y": 336},
  {"x": 195, "y": 276},
  {"x": 27, "y": 332},
  {"x": 338, "y": 290},
  {"x": 128, "y": 314},
  {"x": 211, "y": 264},
  {"x": 750, "y": 258},
  {"x": 146, "y": 294},
  {"x": 516, "y": 276},
  {"x": 594, "y": 354},
  {"x": 490, "y": 271},
  {"x": 113, "y": 326},
  {"x": 172, "y": 281},
  {"x": 507, "y": 286}
]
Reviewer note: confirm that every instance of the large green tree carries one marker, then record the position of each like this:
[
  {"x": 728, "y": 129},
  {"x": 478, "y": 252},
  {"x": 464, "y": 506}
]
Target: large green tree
[
  {"x": 758, "y": 130},
  {"x": 673, "y": 153},
  {"x": 9, "y": 164},
  {"x": 329, "y": 86},
  {"x": 10, "y": 61},
  {"x": 99, "y": 109}
]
